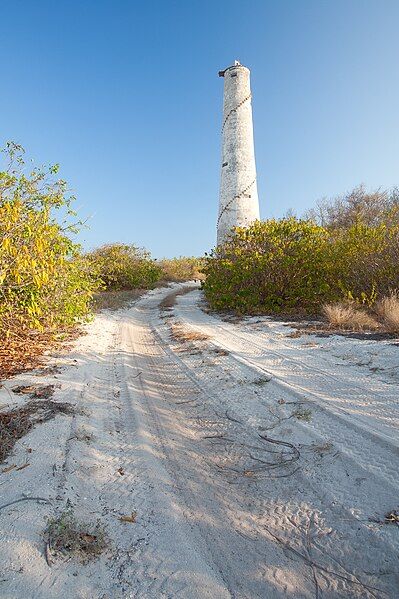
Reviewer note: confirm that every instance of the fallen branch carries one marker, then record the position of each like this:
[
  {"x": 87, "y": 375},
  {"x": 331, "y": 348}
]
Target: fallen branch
[
  {"x": 314, "y": 564},
  {"x": 47, "y": 554},
  {"x": 231, "y": 418},
  {"x": 284, "y": 443},
  {"x": 40, "y": 499}
]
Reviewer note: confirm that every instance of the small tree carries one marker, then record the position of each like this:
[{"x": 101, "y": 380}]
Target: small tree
[{"x": 44, "y": 281}]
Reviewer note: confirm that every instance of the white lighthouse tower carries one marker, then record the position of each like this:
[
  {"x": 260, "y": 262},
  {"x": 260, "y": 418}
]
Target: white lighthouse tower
[{"x": 238, "y": 203}]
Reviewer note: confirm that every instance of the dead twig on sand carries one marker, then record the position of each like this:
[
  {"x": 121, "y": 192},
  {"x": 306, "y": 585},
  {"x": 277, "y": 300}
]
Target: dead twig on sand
[
  {"x": 321, "y": 568},
  {"x": 309, "y": 552},
  {"x": 231, "y": 418},
  {"x": 47, "y": 554},
  {"x": 39, "y": 499},
  {"x": 180, "y": 403},
  {"x": 294, "y": 449}
]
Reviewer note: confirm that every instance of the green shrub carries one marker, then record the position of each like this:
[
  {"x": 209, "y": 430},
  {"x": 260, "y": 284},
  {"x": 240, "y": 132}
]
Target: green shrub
[
  {"x": 296, "y": 266},
  {"x": 272, "y": 266},
  {"x": 122, "y": 266},
  {"x": 45, "y": 282},
  {"x": 364, "y": 261}
]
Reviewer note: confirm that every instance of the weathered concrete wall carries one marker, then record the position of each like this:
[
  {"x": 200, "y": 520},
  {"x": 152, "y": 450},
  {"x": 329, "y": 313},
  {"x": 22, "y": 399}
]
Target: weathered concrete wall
[{"x": 239, "y": 204}]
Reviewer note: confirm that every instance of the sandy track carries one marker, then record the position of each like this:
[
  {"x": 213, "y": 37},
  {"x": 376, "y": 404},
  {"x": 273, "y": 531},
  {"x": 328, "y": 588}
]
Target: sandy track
[{"x": 254, "y": 465}]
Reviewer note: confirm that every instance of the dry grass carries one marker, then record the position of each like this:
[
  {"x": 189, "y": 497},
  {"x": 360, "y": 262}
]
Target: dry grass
[
  {"x": 16, "y": 423},
  {"x": 350, "y": 317},
  {"x": 388, "y": 311},
  {"x": 184, "y": 335},
  {"x": 294, "y": 334},
  {"x": 65, "y": 537},
  {"x": 116, "y": 300}
]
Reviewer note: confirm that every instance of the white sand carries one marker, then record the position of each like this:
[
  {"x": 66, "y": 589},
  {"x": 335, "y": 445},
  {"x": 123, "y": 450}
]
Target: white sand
[{"x": 244, "y": 487}]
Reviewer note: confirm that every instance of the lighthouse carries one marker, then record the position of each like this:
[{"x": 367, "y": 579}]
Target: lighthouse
[{"x": 238, "y": 200}]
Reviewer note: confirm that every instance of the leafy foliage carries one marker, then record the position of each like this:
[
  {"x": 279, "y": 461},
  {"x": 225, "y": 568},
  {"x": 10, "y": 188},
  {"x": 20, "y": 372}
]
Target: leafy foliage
[
  {"x": 292, "y": 265},
  {"x": 44, "y": 281},
  {"x": 122, "y": 266}
]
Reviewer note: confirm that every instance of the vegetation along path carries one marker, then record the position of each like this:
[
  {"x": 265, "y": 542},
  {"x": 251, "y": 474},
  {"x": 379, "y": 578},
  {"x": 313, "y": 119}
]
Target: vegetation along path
[{"x": 218, "y": 458}]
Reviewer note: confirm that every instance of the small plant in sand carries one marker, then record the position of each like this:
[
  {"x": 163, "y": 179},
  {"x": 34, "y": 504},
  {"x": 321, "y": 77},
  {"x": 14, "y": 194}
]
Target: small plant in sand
[
  {"x": 65, "y": 536},
  {"x": 388, "y": 310},
  {"x": 303, "y": 414},
  {"x": 349, "y": 316},
  {"x": 262, "y": 380}
]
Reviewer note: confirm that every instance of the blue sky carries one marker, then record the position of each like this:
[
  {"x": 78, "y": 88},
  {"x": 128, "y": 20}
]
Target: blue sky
[{"x": 125, "y": 96}]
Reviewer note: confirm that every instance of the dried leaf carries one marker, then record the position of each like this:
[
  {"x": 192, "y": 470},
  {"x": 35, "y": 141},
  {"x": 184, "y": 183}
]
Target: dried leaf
[
  {"x": 131, "y": 518},
  {"x": 87, "y": 538},
  {"x": 392, "y": 517}
]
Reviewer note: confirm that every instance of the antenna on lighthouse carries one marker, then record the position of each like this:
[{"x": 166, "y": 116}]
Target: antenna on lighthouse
[{"x": 238, "y": 200}]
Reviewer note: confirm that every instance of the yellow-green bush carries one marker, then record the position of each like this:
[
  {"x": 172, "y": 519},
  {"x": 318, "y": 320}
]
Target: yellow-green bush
[
  {"x": 181, "y": 269},
  {"x": 364, "y": 261},
  {"x": 294, "y": 265},
  {"x": 122, "y": 266},
  {"x": 44, "y": 281}
]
